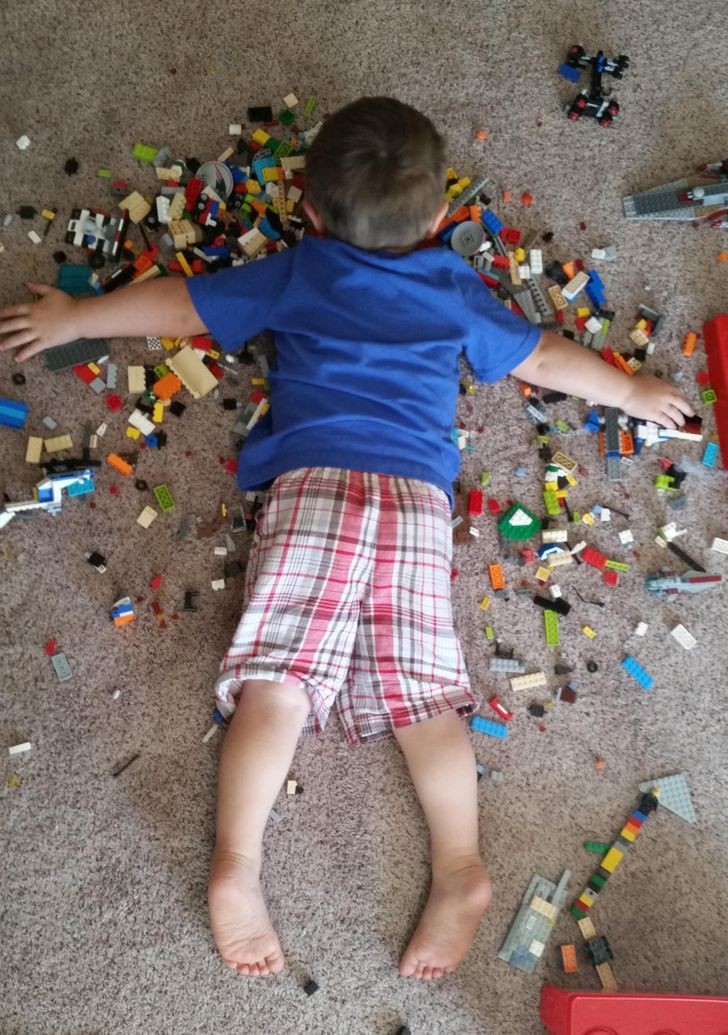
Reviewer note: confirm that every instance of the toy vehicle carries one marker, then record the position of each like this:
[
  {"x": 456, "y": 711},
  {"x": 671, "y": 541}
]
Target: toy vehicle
[
  {"x": 689, "y": 199},
  {"x": 101, "y": 234},
  {"x": 595, "y": 101}
]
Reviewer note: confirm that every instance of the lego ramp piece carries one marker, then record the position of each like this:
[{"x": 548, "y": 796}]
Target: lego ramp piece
[
  {"x": 674, "y": 795},
  {"x": 526, "y": 940},
  {"x": 611, "y": 1013},
  {"x": 192, "y": 372}
]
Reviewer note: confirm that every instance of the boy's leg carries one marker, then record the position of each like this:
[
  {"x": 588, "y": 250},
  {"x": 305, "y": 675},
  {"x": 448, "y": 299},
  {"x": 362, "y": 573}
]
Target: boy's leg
[
  {"x": 256, "y": 757},
  {"x": 442, "y": 766}
]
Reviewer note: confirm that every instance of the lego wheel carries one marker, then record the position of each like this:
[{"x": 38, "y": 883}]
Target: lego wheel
[{"x": 574, "y": 55}]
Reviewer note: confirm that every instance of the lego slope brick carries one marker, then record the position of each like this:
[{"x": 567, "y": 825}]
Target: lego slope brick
[
  {"x": 715, "y": 338},
  {"x": 615, "y": 1013}
]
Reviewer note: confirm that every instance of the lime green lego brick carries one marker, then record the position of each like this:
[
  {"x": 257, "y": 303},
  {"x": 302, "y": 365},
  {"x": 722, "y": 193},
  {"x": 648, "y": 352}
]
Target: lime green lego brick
[
  {"x": 310, "y": 105},
  {"x": 485, "y": 477},
  {"x": 551, "y": 502},
  {"x": 283, "y": 150},
  {"x": 606, "y": 324},
  {"x": 617, "y": 566},
  {"x": 105, "y": 174},
  {"x": 562, "y": 425},
  {"x": 551, "y": 628},
  {"x": 143, "y": 153},
  {"x": 708, "y": 396},
  {"x": 543, "y": 440},
  {"x": 597, "y": 847},
  {"x": 163, "y": 497},
  {"x": 161, "y": 369},
  {"x": 489, "y": 632},
  {"x": 664, "y": 481}
]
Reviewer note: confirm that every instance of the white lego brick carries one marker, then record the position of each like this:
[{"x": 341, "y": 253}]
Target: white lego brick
[
  {"x": 142, "y": 423},
  {"x": 146, "y": 517},
  {"x": 23, "y": 143},
  {"x": 220, "y": 551},
  {"x": 50, "y": 423},
  {"x": 535, "y": 259},
  {"x": 626, "y": 537},
  {"x": 719, "y": 545},
  {"x": 641, "y": 629},
  {"x": 555, "y": 592},
  {"x": 210, "y": 733},
  {"x": 536, "y": 948},
  {"x": 19, "y": 749},
  {"x": 639, "y": 338},
  {"x": 235, "y": 129},
  {"x": 593, "y": 325},
  {"x": 218, "y": 584},
  {"x": 683, "y": 637},
  {"x": 291, "y": 786},
  {"x": 524, "y": 271},
  {"x": 101, "y": 430},
  {"x": 290, "y": 100},
  {"x": 577, "y": 284},
  {"x": 605, "y": 515},
  {"x": 137, "y": 380},
  {"x": 528, "y": 681},
  {"x": 555, "y": 535}
]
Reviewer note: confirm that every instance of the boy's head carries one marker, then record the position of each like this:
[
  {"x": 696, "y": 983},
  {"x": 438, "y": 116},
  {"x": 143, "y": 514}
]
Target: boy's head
[{"x": 375, "y": 175}]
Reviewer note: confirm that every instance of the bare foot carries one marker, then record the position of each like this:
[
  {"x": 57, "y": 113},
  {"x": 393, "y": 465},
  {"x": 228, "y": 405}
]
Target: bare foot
[
  {"x": 448, "y": 923},
  {"x": 240, "y": 926}
]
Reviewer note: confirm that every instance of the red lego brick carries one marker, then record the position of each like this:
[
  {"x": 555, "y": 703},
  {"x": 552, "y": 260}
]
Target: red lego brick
[
  {"x": 475, "y": 503},
  {"x": 82, "y": 371},
  {"x": 114, "y": 402},
  {"x": 155, "y": 582},
  {"x": 50, "y": 647},
  {"x": 593, "y": 557},
  {"x": 493, "y": 505},
  {"x": 192, "y": 192},
  {"x": 499, "y": 708},
  {"x": 510, "y": 234},
  {"x": 627, "y": 1013},
  {"x": 610, "y": 578},
  {"x": 702, "y": 377},
  {"x": 715, "y": 339}
]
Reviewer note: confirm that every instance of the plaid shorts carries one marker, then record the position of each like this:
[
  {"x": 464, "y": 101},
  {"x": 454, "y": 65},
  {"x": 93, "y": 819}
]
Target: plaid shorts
[{"x": 348, "y": 595}]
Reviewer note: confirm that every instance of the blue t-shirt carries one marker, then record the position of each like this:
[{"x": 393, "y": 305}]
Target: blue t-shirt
[{"x": 366, "y": 374}]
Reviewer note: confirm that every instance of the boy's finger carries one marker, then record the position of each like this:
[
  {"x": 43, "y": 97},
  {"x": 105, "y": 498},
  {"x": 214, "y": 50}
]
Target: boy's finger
[
  {"x": 19, "y": 323},
  {"x": 28, "y": 351},
  {"x": 20, "y": 338},
  {"x": 13, "y": 310},
  {"x": 684, "y": 406},
  {"x": 38, "y": 289}
]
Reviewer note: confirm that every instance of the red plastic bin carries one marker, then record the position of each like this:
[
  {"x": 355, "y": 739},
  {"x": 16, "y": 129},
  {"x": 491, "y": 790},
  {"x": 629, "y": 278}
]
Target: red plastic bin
[{"x": 623, "y": 1013}]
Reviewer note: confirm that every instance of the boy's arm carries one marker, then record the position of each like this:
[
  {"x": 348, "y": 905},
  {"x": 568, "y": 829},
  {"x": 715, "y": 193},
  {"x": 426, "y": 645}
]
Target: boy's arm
[
  {"x": 159, "y": 307},
  {"x": 565, "y": 366}
]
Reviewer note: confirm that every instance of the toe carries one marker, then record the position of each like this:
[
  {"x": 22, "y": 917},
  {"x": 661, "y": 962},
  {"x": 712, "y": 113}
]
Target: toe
[
  {"x": 437, "y": 972},
  {"x": 243, "y": 968},
  {"x": 254, "y": 970},
  {"x": 275, "y": 962}
]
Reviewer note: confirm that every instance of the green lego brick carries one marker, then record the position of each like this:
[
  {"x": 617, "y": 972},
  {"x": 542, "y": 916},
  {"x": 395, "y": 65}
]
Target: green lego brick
[
  {"x": 519, "y": 523},
  {"x": 143, "y": 153},
  {"x": 163, "y": 497},
  {"x": 551, "y": 628},
  {"x": 310, "y": 105},
  {"x": 286, "y": 116},
  {"x": 597, "y": 847},
  {"x": 617, "y": 566},
  {"x": 283, "y": 150},
  {"x": 551, "y": 502},
  {"x": 577, "y": 913},
  {"x": 708, "y": 396},
  {"x": 597, "y": 878}
]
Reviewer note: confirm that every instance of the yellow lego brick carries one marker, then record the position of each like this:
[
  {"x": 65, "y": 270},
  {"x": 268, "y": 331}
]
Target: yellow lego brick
[
  {"x": 158, "y": 413},
  {"x": 571, "y": 480},
  {"x": 547, "y": 909},
  {"x": 588, "y": 519},
  {"x": 627, "y": 834},
  {"x": 33, "y": 450},
  {"x": 213, "y": 353},
  {"x": 55, "y": 445},
  {"x": 132, "y": 432},
  {"x": 542, "y": 574},
  {"x": 94, "y": 369},
  {"x": 587, "y": 928},
  {"x": 261, "y": 137},
  {"x": 258, "y": 382},
  {"x": 485, "y": 603},
  {"x": 641, "y": 323},
  {"x": 551, "y": 486},
  {"x": 612, "y": 859},
  {"x": 183, "y": 263},
  {"x": 48, "y": 213},
  {"x": 561, "y": 494},
  {"x": 588, "y": 631},
  {"x": 176, "y": 207},
  {"x": 253, "y": 187},
  {"x": 583, "y": 310},
  {"x": 450, "y": 174},
  {"x": 272, "y": 175},
  {"x": 168, "y": 343},
  {"x": 520, "y": 254},
  {"x": 606, "y": 977},
  {"x": 587, "y": 898}
]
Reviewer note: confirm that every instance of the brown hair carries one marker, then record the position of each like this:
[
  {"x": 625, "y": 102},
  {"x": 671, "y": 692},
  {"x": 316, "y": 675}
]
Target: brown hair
[{"x": 376, "y": 173}]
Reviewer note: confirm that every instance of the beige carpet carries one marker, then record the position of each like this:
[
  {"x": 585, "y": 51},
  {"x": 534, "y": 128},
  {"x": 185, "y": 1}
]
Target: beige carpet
[{"x": 103, "y": 916}]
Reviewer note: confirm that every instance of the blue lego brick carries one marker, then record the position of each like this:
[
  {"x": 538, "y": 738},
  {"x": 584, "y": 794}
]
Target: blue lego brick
[
  {"x": 237, "y": 174},
  {"x": 13, "y": 414},
  {"x": 219, "y": 250},
  {"x": 572, "y": 74},
  {"x": 493, "y": 729},
  {"x": 592, "y": 421},
  {"x": 82, "y": 488},
  {"x": 491, "y": 222},
  {"x": 74, "y": 280},
  {"x": 710, "y": 456},
  {"x": 644, "y": 679},
  {"x": 266, "y": 227},
  {"x": 260, "y": 163},
  {"x": 595, "y": 289}
]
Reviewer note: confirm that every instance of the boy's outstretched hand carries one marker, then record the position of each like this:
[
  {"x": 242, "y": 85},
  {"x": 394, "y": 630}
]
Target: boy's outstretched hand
[
  {"x": 33, "y": 327},
  {"x": 650, "y": 398}
]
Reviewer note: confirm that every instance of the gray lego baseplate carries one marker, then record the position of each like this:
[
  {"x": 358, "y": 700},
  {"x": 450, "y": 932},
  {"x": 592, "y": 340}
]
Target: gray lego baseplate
[
  {"x": 526, "y": 940},
  {"x": 674, "y": 795},
  {"x": 84, "y": 350},
  {"x": 498, "y": 664}
]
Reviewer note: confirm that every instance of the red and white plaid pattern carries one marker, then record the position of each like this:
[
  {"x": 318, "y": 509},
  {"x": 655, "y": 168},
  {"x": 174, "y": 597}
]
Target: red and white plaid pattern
[{"x": 348, "y": 595}]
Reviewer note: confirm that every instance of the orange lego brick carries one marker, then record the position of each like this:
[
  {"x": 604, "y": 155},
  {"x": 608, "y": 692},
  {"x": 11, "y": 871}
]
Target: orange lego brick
[
  {"x": 496, "y": 576},
  {"x": 568, "y": 959},
  {"x": 167, "y": 386},
  {"x": 569, "y": 269},
  {"x": 626, "y": 443},
  {"x": 119, "y": 465},
  {"x": 689, "y": 343},
  {"x": 621, "y": 362}
]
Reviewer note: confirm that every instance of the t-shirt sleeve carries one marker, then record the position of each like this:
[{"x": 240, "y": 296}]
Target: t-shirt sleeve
[
  {"x": 239, "y": 302},
  {"x": 496, "y": 340}
]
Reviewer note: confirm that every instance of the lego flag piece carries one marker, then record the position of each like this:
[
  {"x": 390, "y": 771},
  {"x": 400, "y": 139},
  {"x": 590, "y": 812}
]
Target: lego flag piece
[{"x": 674, "y": 795}]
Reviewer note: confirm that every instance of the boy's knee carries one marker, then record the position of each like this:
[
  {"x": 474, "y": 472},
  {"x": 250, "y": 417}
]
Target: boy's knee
[{"x": 273, "y": 694}]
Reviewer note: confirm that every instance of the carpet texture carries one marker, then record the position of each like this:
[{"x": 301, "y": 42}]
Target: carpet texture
[{"x": 104, "y": 926}]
